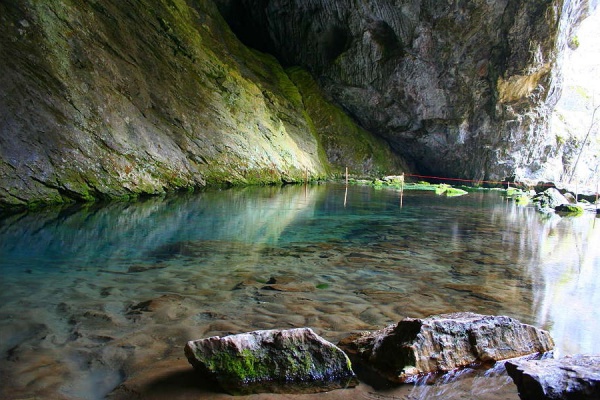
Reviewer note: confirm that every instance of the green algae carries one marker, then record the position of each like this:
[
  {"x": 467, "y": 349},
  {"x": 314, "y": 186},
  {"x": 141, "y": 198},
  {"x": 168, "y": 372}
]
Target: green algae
[
  {"x": 397, "y": 184},
  {"x": 449, "y": 191},
  {"x": 245, "y": 367},
  {"x": 518, "y": 195}
]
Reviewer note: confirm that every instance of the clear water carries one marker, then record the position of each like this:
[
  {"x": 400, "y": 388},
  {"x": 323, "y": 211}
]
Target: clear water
[{"x": 94, "y": 296}]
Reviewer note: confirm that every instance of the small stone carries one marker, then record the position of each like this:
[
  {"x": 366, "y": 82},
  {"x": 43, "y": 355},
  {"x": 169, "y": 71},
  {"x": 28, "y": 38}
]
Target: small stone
[
  {"x": 570, "y": 377},
  {"x": 277, "y": 361}
]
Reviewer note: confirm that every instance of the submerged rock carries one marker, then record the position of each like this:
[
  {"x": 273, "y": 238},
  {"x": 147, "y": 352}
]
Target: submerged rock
[
  {"x": 294, "y": 360},
  {"x": 570, "y": 377},
  {"x": 414, "y": 347}
]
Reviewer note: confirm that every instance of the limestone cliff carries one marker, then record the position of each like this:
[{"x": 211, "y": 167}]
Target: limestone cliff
[
  {"x": 109, "y": 98},
  {"x": 462, "y": 88}
]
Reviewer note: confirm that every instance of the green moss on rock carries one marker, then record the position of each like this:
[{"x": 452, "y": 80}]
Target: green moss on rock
[
  {"x": 345, "y": 143},
  {"x": 272, "y": 361}
]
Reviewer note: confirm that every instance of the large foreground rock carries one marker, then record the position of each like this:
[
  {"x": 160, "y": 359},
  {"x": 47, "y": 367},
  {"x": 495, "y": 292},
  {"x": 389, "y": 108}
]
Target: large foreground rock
[
  {"x": 571, "y": 377},
  {"x": 272, "y": 361},
  {"x": 403, "y": 352}
]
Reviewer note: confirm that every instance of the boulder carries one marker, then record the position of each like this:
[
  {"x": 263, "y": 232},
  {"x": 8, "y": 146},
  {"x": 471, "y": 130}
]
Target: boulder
[
  {"x": 550, "y": 198},
  {"x": 570, "y": 377},
  {"x": 415, "y": 347},
  {"x": 278, "y": 361},
  {"x": 570, "y": 197}
]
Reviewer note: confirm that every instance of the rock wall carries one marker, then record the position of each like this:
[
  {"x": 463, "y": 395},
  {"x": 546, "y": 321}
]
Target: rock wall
[
  {"x": 462, "y": 88},
  {"x": 115, "y": 99}
]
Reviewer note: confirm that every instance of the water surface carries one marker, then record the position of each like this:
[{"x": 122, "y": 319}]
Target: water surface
[{"x": 94, "y": 296}]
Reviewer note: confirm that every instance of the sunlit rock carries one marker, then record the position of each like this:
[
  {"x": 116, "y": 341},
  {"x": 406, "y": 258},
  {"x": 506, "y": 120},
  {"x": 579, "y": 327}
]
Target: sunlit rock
[
  {"x": 414, "y": 347},
  {"x": 294, "y": 360},
  {"x": 571, "y": 377}
]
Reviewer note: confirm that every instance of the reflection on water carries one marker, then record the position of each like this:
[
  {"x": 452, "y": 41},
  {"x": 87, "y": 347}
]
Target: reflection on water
[{"x": 90, "y": 296}]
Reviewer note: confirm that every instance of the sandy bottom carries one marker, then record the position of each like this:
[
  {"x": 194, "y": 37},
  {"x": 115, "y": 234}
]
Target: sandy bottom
[{"x": 80, "y": 335}]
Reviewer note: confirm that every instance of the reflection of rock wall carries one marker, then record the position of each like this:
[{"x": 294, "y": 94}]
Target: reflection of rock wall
[
  {"x": 156, "y": 228},
  {"x": 567, "y": 295},
  {"x": 462, "y": 88},
  {"x": 559, "y": 260}
]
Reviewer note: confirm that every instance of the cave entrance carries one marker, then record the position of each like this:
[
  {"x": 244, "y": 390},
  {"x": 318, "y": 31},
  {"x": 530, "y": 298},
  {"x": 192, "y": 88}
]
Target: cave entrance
[{"x": 576, "y": 118}]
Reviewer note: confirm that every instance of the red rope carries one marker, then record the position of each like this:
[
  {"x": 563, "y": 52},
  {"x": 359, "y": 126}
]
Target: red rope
[{"x": 468, "y": 180}]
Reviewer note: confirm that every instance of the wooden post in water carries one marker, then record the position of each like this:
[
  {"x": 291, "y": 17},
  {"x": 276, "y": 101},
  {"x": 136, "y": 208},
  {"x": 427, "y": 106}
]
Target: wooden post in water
[
  {"x": 597, "y": 209},
  {"x": 346, "y": 193},
  {"x": 401, "y": 189}
]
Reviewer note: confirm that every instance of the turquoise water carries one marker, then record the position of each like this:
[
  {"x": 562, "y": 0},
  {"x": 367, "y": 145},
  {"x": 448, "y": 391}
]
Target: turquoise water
[{"x": 92, "y": 295}]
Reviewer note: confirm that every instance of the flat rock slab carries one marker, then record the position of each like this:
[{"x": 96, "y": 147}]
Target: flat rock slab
[
  {"x": 277, "y": 361},
  {"x": 574, "y": 377},
  {"x": 416, "y": 347}
]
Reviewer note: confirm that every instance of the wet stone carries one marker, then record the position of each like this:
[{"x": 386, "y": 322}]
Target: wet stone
[
  {"x": 571, "y": 377},
  {"x": 405, "y": 352}
]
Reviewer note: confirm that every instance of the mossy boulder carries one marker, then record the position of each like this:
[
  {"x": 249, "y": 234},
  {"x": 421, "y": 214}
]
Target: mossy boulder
[
  {"x": 278, "y": 361},
  {"x": 569, "y": 209}
]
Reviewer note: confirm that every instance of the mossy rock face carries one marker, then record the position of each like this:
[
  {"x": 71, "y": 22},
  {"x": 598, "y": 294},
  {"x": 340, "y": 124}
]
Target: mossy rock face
[
  {"x": 279, "y": 361},
  {"x": 344, "y": 142},
  {"x": 387, "y": 64},
  {"x": 117, "y": 99}
]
